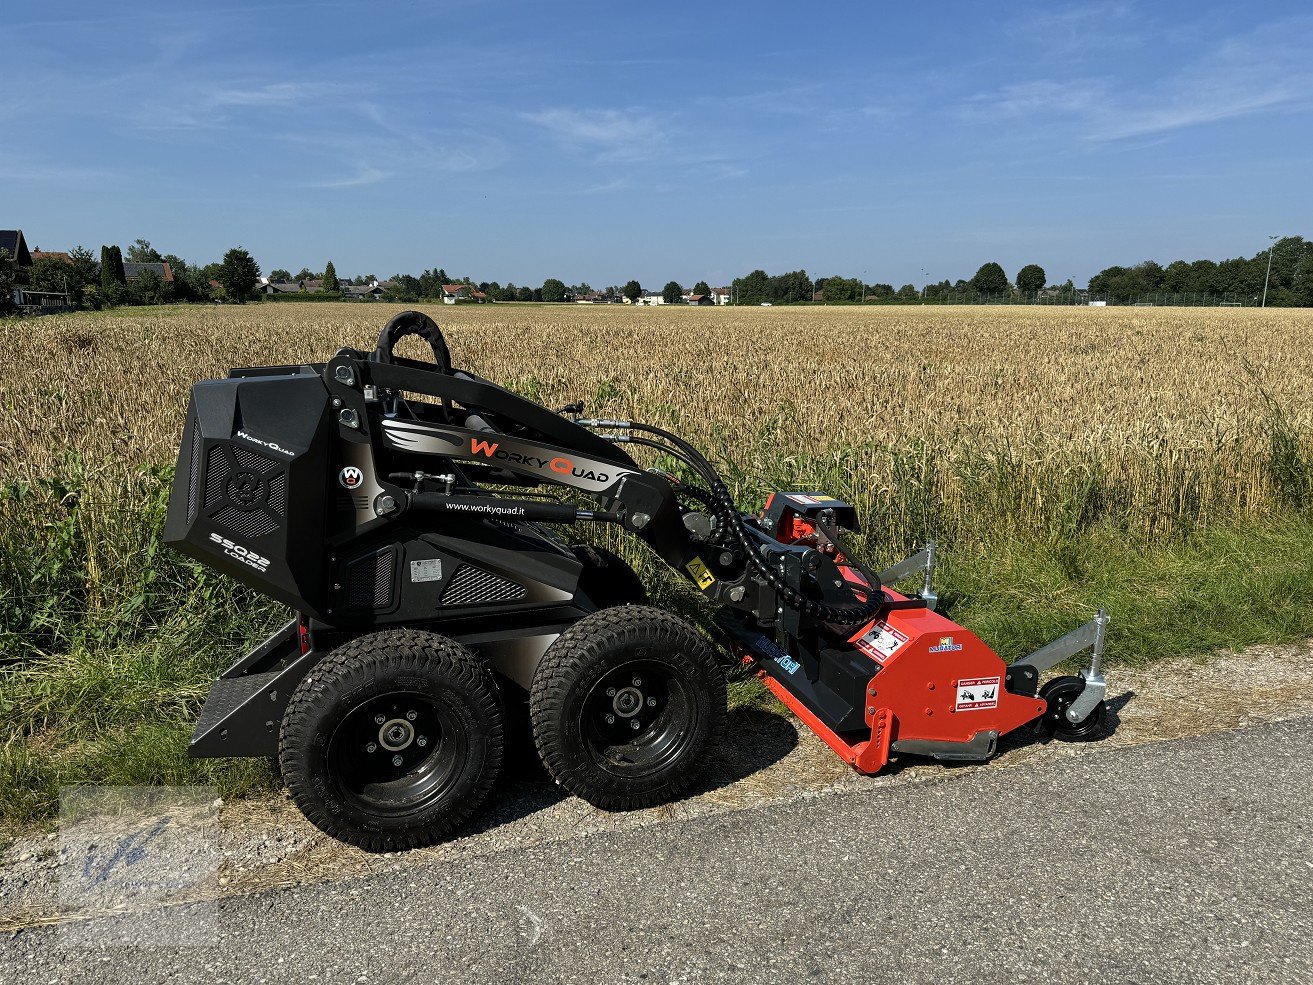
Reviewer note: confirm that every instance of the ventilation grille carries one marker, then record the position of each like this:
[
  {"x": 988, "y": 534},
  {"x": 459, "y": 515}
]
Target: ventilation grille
[
  {"x": 248, "y": 490},
  {"x": 248, "y": 523},
  {"x": 217, "y": 471},
  {"x": 278, "y": 494},
  {"x": 194, "y": 470},
  {"x": 471, "y": 586},
  {"x": 367, "y": 581}
]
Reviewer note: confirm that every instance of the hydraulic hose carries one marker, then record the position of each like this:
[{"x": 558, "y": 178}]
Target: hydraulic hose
[{"x": 722, "y": 505}]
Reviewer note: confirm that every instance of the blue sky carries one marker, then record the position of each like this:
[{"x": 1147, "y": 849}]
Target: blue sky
[{"x": 603, "y": 141}]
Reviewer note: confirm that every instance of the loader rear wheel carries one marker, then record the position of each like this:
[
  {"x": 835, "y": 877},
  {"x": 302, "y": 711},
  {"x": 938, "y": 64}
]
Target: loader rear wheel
[
  {"x": 393, "y": 740},
  {"x": 624, "y": 706},
  {"x": 607, "y": 579},
  {"x": 1060, "y": 693}
]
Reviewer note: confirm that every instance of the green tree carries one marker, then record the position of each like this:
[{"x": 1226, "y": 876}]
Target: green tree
[
  {"x": 752, "y": 288},
  {"x": 330, "y": 284},
  {"x": 111, "y": 267},
  {"x": 1031, "y": 279},
  {"x": 524, "y": 294},
  {"x": 701, "y": 287},
  {"x": 990, "y": 279},
  {"x": 305, "y": 274},
  {"x": 142, "y": 252},
  {"x": 672, "y": 293},
  {"x": 280, "y": 276},
  {"x": 148, "y": 288},
  {"x": 553, "y": 289},
  {"x": 840, "y": 290},
  {"x": 239, "y": 273},
  {"x": 8, "y": 281},
  {"x": 633, "y": 290}
]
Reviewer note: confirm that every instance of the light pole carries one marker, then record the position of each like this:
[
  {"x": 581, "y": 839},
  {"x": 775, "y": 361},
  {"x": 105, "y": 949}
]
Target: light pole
[{"x": 1268, "y": 275}]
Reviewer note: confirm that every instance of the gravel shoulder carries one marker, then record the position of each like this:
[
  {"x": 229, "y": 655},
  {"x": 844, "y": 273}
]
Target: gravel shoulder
[{"x": 767, "y": 760}]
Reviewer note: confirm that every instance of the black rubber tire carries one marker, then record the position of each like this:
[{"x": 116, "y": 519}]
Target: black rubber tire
[
  {"x": 607, "y": 579},
  {"x": 1060, "y": 693},
  {"x": 689, "y": 719},
  {"x": 424, "y": 669}
]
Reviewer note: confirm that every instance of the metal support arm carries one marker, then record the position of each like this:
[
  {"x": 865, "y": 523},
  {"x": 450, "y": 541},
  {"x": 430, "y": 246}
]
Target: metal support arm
[
  {"x": 1091, "y": 637},
  {"x": 922, "y": 561}
]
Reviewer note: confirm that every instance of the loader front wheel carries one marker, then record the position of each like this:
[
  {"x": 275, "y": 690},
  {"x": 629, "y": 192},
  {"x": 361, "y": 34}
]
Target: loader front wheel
[
  {"x": 393, "y": 740},
  {"x": 624, "y": 706}
]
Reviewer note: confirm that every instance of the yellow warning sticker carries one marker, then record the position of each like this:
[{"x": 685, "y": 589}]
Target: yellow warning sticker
[{"x": 701, "y": 576}]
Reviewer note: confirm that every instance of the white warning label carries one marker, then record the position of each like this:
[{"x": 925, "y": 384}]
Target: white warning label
[
  {"x": 880, "y": 642},
  {"x": 976, "y": 693}
]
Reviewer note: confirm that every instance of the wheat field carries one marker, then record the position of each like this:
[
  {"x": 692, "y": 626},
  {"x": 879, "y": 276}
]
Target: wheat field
[{"x": 1164, "y": 415}]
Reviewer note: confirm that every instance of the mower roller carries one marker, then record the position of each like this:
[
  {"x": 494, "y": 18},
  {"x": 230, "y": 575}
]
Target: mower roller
[{"x": 409, "y": 513}]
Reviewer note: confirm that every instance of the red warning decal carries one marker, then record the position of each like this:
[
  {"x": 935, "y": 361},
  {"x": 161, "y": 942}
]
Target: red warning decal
[
  {"x": 977, "y": 693},
  {"x": 879, "y": 641}
]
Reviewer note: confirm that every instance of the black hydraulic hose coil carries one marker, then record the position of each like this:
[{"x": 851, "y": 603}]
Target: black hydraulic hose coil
[{"x": 722, "y": 505}]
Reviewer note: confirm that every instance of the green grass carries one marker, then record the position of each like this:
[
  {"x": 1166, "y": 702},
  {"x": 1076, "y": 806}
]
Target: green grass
[{"x": 110, "y": 642}]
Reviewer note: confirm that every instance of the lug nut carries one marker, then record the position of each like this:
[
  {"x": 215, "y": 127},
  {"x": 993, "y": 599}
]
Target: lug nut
[
  {"x": 651, "y": 702},
  {"x": 372, "y": 747},
  {"x": 421, "y": 742},
  {"x": 410, "y": 716},
  {"x": 379, "y": 719},
  {"x": 396, "y": 760},
  {"x": 610, "y": 692},
  {"x": 638, "y": 681},
  {"x": 610, "y": 719},
  {"x": 633, "y": 724}
]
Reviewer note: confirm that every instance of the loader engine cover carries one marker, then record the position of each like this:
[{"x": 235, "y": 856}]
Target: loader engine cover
[{"x": 248, "y": 495}]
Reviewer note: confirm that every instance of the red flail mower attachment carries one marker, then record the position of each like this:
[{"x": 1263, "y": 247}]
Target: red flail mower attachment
[{"x": 934, "y": 688}]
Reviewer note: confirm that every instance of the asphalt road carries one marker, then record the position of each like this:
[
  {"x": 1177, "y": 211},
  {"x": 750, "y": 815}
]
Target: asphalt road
[{"x": 1183, "y": 861}]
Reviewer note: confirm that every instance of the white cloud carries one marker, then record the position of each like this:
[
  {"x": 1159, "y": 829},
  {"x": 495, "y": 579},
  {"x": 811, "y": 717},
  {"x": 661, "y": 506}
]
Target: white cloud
[
  {"x": 617, "y": 134},
  {"x": 1264, "y": 71}
]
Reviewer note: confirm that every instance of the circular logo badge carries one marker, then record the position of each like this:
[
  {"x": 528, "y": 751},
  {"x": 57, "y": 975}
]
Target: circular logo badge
[
  {"x": 246, "y": 488},
  {"x": 351, "y": 477}
]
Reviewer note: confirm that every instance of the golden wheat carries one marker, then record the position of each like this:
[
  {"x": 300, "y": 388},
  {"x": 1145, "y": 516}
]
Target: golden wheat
[{"x": 1164, "y": 404}]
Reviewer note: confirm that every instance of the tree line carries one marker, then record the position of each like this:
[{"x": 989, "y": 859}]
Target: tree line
[{"x": 94, "y": 282}]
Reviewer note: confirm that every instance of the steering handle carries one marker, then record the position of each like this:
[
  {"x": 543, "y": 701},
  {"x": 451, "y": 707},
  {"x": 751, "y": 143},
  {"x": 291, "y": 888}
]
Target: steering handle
[{"x": 412, "y": 323}]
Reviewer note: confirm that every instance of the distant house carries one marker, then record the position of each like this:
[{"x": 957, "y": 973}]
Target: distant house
[
  {"x": 451, "y": 293},
  {"x": 51, "y": 255},
  {"x": 704, "y": 300},
  {"x": 364, "y": 292},
  {"x": 721, "y": 295},
  {"x": 651, "y": 297},
  {"x": 275, "y": 287},
  {"x": 133, "y": 271},
  {"x": 12, "y": 242}
]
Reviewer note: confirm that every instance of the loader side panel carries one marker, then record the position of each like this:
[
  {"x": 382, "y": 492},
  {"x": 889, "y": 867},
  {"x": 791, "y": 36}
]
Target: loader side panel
[{"x": 249, "y": 495}]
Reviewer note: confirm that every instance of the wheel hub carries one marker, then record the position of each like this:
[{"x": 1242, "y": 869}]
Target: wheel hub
[
  {"x": 396, "y": 735},
  {"x": 627, "y": 702}
]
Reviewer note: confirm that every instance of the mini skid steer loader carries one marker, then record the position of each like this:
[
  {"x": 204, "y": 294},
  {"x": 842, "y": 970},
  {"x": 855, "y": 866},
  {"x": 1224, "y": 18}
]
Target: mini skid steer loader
[{"x": 403, "y": 509}]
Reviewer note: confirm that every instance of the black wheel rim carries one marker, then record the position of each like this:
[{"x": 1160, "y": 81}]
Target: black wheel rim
[
  {"x": 638, "y": 718},
  {"x": 396, "y": 753},
  {"x": 1060, "y": 698}
]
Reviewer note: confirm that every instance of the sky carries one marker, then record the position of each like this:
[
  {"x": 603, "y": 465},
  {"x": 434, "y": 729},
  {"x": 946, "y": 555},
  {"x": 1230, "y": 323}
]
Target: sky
[{"x": 601, "y": 142}]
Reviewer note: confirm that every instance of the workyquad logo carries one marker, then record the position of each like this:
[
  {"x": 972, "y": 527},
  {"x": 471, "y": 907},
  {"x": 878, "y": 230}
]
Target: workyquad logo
[
  {"x": 559, "y": 465},
  {"x": 945, "y": 645},
  {"x": 246, "y": 488},
  {"x": 350, "y": 477},
  {"x": 271, "y": 445}
]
